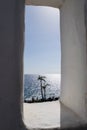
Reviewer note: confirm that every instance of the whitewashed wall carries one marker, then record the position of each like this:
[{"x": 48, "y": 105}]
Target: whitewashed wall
[{"x": 73, "y": 49}]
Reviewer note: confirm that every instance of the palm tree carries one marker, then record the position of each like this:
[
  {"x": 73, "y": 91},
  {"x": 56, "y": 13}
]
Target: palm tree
[{"x": 41, "y": 79}]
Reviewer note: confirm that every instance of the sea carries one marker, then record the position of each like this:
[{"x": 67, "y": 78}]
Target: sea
[{"x": 32, "y": 87}]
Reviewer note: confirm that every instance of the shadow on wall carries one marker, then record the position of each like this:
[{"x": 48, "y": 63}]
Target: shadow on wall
[{"x": 69, "y": 119}]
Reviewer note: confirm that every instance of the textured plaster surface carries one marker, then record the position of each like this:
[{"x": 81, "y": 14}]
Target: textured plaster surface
[{"x": 73, "y": 56}]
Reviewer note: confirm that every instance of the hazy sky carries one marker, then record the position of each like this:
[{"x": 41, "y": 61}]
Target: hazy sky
[{"x": 42, "y": 40}]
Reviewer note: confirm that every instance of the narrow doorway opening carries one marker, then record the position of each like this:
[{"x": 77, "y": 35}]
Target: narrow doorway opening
[{"x": 42, "y": 67}]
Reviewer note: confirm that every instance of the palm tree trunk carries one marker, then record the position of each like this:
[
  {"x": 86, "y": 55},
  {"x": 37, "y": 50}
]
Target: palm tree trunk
[
  {"x": 45, "y": 93},
  {"x": 41, "y": 89},
  {"x": 44, "y": 89}
]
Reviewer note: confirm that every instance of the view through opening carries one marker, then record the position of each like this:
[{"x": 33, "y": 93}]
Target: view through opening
[{"x": 42, "y": 67}]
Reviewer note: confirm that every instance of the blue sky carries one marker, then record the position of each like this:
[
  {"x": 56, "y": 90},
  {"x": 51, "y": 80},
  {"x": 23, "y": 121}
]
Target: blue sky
[{"x": 42, "y": 54}]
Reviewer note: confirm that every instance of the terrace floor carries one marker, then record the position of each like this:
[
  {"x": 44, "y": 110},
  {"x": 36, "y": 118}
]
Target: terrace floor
[{"x": 49, "y": 115}]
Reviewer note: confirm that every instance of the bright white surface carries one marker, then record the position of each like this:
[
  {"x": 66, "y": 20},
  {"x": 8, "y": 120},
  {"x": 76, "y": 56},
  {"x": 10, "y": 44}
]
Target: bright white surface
[
  {"x": 42, "y": 115},
  {"x": 49, "y": 115}
]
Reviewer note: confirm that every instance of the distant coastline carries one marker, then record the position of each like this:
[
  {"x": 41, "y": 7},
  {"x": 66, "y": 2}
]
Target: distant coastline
[{"x": 40, "y": 100}]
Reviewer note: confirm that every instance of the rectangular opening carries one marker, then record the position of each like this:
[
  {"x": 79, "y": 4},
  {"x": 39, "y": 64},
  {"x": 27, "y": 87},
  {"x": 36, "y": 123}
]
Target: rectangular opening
[{"x": 42, "y": 67}]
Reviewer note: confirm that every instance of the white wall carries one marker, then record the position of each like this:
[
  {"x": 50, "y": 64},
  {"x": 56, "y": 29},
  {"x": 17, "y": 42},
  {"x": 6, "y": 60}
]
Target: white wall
[{"x": 73, "y": 64}]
